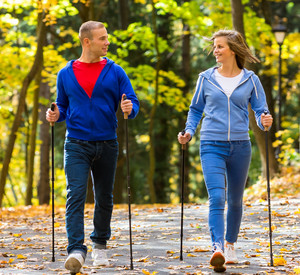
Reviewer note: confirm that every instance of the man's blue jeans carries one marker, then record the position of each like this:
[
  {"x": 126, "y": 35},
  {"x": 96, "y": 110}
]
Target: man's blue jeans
[
  {"x": 222, "y": 159},
  {"x": 81, "y": 157}
]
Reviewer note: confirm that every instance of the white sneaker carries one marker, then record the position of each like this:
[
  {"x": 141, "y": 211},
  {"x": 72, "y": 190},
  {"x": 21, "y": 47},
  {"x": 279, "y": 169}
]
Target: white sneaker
[
  {"x": 217, "y": 260},
  {"x": 99, "y": 256},
  {"x": 230, "y": 254},
  {"x": 74, "y": 262}
]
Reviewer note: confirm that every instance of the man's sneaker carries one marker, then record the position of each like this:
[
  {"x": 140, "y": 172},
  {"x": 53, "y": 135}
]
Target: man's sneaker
[
  {"x": 99, "y": 256},
  {"x": 217, "y": 260},
  {"x": 74, "y": 262},
  {"x": 230, "y": 254}
]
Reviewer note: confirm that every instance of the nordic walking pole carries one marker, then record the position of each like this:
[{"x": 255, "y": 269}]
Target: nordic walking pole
[
  {"x": 128, "y": 184},
  {"x": 183, "y": 147},
  {"x": 268, "y": 190},
  {"x": 52, "y": 179}
]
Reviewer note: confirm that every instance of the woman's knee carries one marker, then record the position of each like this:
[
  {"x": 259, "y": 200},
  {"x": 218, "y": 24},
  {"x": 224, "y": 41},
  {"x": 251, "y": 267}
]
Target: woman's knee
[{"x": 217, "y": 199}]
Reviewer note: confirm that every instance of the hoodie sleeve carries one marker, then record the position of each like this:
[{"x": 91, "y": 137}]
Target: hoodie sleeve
[
  {"x": 62, "y": 100},
  {"x": 258, "y": 100},
  {"x": 125, "y": 87},
  {"x": 196, "y": 108}
]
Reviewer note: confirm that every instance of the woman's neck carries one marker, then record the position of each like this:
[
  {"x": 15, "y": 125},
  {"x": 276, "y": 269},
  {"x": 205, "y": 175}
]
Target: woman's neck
[{"x": 229, "y": 70}]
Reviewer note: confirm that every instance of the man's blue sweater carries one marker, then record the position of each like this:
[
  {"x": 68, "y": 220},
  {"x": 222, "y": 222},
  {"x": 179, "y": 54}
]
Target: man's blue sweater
[{"x": 93, "y": 119}]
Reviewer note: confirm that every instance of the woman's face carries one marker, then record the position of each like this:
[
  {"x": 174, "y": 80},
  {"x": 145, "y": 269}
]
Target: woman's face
[{"x": 221, "y": 50}]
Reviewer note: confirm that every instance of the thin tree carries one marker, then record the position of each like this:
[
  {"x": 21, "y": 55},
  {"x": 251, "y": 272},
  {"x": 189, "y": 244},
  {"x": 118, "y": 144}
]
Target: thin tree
[
  {"x": 186, "y": 76},
  {"x": 120, "y": 172},
  {"x": 150, "y": 178},
  {"x": 44, "y": 180},
  {"x": 237, "y": 10},
  {"x": 18, "y": 116}
]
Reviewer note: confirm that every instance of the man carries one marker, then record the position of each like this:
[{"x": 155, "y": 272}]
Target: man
[{"x": 89, "y": 90}]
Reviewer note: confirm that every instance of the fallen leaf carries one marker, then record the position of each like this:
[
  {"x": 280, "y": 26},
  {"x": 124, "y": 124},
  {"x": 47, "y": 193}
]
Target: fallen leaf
[
  {"x": 279, "y": 261},
  {"x": 144, "y": 259},
  {"x": 297, "y": 270},
  {"x": 148, "y": 273}
]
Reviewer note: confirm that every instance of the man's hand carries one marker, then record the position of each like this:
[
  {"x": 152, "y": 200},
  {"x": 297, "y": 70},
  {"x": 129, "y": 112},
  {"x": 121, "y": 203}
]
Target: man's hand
[
  {"x": 126, "y": 105},
  {"x": 52, "y": 116}
]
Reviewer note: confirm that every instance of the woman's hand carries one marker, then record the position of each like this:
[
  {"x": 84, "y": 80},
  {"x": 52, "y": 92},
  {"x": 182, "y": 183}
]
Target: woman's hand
[
  {"x": 266, "y": 120},
  {"x": 183, "y": 139}
]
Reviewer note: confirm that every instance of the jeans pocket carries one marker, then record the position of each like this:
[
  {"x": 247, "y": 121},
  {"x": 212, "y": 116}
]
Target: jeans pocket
[{"x": 112, "y": 144}]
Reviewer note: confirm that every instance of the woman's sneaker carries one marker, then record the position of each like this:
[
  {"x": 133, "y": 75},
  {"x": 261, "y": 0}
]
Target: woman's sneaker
[
  {"x": 217, "y": 260},
  {"x": 99, "y": 256},
  {"x": 230, "y": 254},
  {"x": 74, "y": 262}
]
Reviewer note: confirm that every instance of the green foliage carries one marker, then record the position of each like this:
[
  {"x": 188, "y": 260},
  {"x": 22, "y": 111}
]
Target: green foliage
[
  {"x": 287, "y": 140},
  {"x": 134, "y": 49}
]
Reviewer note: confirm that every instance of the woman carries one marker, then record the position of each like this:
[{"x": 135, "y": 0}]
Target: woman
[{"x": 222, "y": 94}]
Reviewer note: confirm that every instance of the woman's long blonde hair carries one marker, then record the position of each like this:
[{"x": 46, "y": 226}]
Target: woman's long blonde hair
[{"x": 237, "y": 44}]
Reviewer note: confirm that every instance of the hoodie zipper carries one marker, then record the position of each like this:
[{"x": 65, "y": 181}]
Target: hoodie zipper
[
  {"x": 228, "y": 100},
  {"x": 228, "y": 103}
]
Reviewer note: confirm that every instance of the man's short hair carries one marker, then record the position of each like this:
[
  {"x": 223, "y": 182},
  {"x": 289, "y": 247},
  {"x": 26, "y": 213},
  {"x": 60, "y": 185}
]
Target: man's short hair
[{"x": 85, "y": 30}]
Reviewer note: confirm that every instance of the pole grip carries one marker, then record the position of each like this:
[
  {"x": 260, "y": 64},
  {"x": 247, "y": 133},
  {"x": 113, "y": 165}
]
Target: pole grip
[
  {"x": 183, "y": 146},
  {"x": 266, "y": 112},
  {"x": 52, "y": 109},
  {"x": 125, "y": 114}
]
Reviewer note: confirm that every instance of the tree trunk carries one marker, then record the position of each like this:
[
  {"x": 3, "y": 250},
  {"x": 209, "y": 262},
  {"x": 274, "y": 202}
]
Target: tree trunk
[
  {"x": 44, "y": 181},
  {"x": 150, "y": 178},
  {"x": 186, "y": 72},
  {"x": 18, "y": 117},
  {"x": 237, "y": 11},
  {"x": 120, "y": 178},
  {"x": 237, "y": 20},
  {"x": 32, "y": 139},
  {"x": 124, "y": 14}
]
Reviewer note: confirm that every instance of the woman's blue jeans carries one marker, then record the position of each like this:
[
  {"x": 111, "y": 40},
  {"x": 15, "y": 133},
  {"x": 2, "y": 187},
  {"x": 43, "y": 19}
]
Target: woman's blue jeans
[
  {"x": 220, "y": 160},
  {"x": 81, "y": 157}
]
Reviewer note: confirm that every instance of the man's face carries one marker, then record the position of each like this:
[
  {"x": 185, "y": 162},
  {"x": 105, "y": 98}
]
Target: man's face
[{"x": 99, "y": 43}]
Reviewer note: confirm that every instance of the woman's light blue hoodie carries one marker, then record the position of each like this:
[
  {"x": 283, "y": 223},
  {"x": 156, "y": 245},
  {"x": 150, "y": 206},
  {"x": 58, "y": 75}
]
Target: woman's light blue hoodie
[{"x": 225, "y": 118}]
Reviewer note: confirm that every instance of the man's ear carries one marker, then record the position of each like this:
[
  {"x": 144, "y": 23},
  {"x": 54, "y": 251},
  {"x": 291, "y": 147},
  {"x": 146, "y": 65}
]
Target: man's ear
[{"x": 86, "y": 41}]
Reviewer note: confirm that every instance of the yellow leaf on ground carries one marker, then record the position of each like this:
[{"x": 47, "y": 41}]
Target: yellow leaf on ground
[
  {"x": 279, "y": 261},
  {"x": 148, "y": 273},
  {"x": 201, "y": 250},
  {"x": 57, "y": 224},
  {"x": 3, "y": 262},
  {"x": 20, "y": 256},
  {"x": 191, "y": 255},
  {"x": 297, "y": 270},
  {"x": 144, "y": 260},
  {"x": 170, "y": 252}
]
